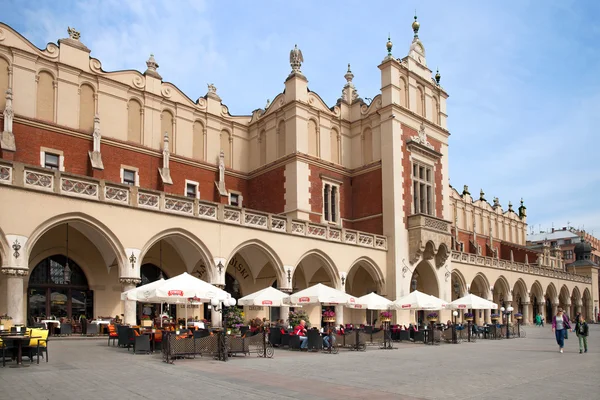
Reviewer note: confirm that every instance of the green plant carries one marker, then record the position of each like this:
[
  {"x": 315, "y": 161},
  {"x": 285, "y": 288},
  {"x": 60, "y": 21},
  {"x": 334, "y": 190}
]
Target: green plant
[
  {"x": 234, "y": 315},
  {"x": 296, "y": 316}
]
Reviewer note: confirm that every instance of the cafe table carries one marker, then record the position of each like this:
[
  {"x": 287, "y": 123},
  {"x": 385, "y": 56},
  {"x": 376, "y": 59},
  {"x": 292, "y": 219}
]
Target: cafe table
[{"x": 19, "y": 340}]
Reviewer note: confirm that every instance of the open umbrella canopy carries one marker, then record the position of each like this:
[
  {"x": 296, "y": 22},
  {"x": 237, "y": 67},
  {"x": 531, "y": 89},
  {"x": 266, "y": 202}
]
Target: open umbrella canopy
[
  {"x": 135, "y": 292},
  {"x": 268, "y": 297},
  {"x": 372, "y": 301},
  {"x": 180, "y": 288},
  {"x": 419, "y": 301},
  {"x": 471, "y": 301},
  {"x": 320, "y": 293}
]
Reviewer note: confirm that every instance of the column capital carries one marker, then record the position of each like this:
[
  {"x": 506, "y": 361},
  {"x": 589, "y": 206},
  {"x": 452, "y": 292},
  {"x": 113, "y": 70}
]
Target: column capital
[{"x": 15, "y": 272}]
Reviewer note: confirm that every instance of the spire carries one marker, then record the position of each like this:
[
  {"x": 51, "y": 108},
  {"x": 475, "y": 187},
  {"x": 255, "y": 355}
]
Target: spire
[
  {"x": 349, "y": 93},
  {"x": 415, "y": 26},
  {"x": 438, "y": 76},
  {"x": 152, "y": 66},
  {"x": 389, "y": 46},
  {"x": 522, "y": 210}
]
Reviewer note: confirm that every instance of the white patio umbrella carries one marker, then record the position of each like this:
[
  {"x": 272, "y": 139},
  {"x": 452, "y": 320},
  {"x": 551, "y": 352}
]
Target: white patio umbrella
[
  {"x": 419, "y": 301},
  {"x": 320, "y": 293},
  {"x": 181, "y": 288},
  {"x": 371, "y": 301},
  {"x": 269, "y": 297},
  {"x": 132, "y": 294},
  {"x": 473, "y": 302}
]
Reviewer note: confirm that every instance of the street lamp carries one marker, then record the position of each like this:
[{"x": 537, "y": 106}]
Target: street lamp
[
  {"x": 454, "y": 339},
  {"x": 509, "y": 310},
  {"x": 221, "y": 306}
]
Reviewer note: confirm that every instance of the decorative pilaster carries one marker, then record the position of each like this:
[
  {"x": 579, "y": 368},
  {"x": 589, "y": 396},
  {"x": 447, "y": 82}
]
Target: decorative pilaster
[
  {"x": 95, "y": 155},
  {"x": 7, "y": 141},
  {"x": 129, "y": 312},
  {"x": 165, "y": 172}
]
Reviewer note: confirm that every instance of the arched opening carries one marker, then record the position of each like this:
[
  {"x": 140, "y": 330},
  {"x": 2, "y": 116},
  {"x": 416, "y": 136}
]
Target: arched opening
[
  {"x": 225, "y": 140},
  {"x": 198, "y": 141},
  {"x": 551, "y": 300},
  {"x": 59, "y": 288},
  {"x": 564, "y": 301},
  {"x": 424, "y": 280},
  {"x": 262, "y": 147},
  {"x": 252, "y": 267},
  {"x": 576, "y": 301},
  {"x": 313, "y": 138},
  {"x": 459, "y": 287},
  {"x": 537, "y": 299},
  {"x": 480, "y": 287},
  {"x": 588, "y": 312},
  {"x": 363, "y": 278},
  {"x": 520, "y": 297},
  {"x": 151, "y": 273},
  {"x": 334, "y": 143},
  {"x": 93, "y": 256},
  {"x": 314, "y": 267},
  {"x": 87, "y": 108},
  {"x": 174, "y": 252},
  {"x": 368, "y": 146},
  {"x": 281, "y": 139},
  {"x": 501, "y": 294}
]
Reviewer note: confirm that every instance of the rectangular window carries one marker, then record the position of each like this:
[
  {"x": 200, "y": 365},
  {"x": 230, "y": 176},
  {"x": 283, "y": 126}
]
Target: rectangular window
[
  {"x": 234, "y": 199},
  {"x": 51, "y": 161},
  {"x": 129, "y": 177},
  {"x": 422, "y": 189},
  {"x": 191, "y": 190},
  {"x": 331, "y": 202},
  {"x": 568, "y": 254}
]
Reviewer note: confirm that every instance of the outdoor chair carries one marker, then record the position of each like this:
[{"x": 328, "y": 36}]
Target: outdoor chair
[
  {"x": 275, "y": 336},
  {"x": 243, "y": 330},
  {"x": 315, "y": 342},
  {"x": 419, "y": 336},
  {"x": 37, "y": 346},
  {"x": 112, "y": 334},
  {"x": 8, "y": 349},
  {"x": 285, "y": 340},
  {"x": 368, "y": 329},
  {"x": 92, "y": 329},
  {"x": 141, "y": 344},
  {"x": 294, "y": 342},
  {"x": 66, "y": 329},
  {"x": 404, "y": 336}
]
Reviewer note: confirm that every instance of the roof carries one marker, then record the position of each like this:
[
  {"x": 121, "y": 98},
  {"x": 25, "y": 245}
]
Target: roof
[{"x": 540, "y": 237}]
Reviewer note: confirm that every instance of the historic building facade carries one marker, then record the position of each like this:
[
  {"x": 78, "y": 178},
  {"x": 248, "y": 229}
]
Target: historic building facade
[{"x": 112, "y": 179}]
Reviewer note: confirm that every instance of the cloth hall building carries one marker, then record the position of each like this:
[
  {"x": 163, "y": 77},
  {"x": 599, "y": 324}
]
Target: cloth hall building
[{"x": 112, "y": 179}]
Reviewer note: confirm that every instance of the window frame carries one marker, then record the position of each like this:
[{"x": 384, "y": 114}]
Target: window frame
[
  {"x": 58, "y": 153},
  {"x": 330, "y": 211},
  {"x": 130, "y": 169},
  {"x": 422, "y": 187},
  {"x": 197, "y": 189},
  {"x": 239, "y": 196}
]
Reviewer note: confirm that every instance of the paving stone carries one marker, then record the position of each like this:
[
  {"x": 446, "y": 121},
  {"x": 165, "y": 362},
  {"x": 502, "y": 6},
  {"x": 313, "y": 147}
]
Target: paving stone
[{"x": 529, "y": 368}]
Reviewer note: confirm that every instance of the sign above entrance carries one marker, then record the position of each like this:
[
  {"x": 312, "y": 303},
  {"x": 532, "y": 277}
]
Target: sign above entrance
[{"x": 239, "y": 267}]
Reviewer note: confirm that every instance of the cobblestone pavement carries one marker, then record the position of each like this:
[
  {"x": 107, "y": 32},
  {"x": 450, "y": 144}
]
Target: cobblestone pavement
[{"x": 529, "y": 368}]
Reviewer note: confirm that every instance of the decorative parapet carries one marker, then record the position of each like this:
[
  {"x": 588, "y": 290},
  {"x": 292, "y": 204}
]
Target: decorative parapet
[
  {"x": 62, "y": 183},
  {"x": 534, "y": 269},
  {"x": 429, "y": 238}
]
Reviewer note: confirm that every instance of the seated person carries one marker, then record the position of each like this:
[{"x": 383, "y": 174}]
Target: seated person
[
  {"x": 300, "y": 330},
  {"x": 326, "y": 343}
]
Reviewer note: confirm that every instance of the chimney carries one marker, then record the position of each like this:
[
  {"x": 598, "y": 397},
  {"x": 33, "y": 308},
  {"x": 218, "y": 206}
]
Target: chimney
[{"x": 552, "y": 230}]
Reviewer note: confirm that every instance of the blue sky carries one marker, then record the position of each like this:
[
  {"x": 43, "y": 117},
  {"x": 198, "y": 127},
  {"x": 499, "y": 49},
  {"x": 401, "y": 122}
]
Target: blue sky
[{"x": 522, "y": 75}]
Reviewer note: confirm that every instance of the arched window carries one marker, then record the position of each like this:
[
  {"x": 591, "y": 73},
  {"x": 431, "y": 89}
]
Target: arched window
[
  {"x": 226, "y": 147},
  {"x": 403, "y": 92},
  {"x": 420, "y": 102},
  {"x": 60, "y": 289},
  {"x": 368, "y": 146},
  {"x": 334, "y": 140},
  {"x": 87, "y": 108},
  {"x": 150, "y": 273},
  {"x": 45, "y": 97},
  {"x": 198, "y": 141},
  {"x": 281, "y": 140},
  {"x": 262, "y": 147},
  {"x": 166, "y": 125},
  {"x": 313, "y": 138},
  {"x": 3, "y": 82},
  {"x": 134, "y": 121},
  {"x": 435, "y": 110}
]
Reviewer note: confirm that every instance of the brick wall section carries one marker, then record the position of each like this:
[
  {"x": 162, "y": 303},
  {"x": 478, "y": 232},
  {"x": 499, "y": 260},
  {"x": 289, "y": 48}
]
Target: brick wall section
[
  {"x": 29, "y": 140},
  {"x": 372, "y": 225},
  {"x": 518, "y": 253},
  {"x": 266, "y": 192},
  {"x": 367, "y": 194},
  {"x": 316, "y": 192},
  {"x": 407, "y": 133}
]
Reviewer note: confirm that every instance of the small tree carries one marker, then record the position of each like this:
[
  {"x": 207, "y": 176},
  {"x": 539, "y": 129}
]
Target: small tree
[{"x": 296, "y": 316}]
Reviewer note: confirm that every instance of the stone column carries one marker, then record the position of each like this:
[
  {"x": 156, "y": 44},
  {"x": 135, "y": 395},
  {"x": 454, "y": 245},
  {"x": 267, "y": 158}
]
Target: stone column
[
  {"x": 578, "y": 308},
  {"x": 542, "y": 310},
  {"x": 554, "y": 308},
  {"x": 509, "y": 316},
  {"x": 339, "y": 314},
  {"x": 216, "y": 319},
  {"x": 487, "y": 316},
  {"x": 14, "y": 294},
  {"x": 569, "y": 311},
  {"x": 284, "y": 313},
  {"x": 526, "y": 320},
  {"x": 129, "y": 315}
]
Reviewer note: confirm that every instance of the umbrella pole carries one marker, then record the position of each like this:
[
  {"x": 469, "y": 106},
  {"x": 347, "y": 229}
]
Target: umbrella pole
[
  {"x": 186, "y": 314},
  {"x": 161, "y": 313}
]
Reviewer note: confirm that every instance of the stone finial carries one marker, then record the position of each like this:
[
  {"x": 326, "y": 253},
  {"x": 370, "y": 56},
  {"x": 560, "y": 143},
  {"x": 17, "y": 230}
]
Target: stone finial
[
  {"x": 466, "y": 190},
  {"x": 416, "y": 25},
  {"x": 481, "y": 195},
  {"x": 268, "y": 104},
  {"x": 349, "y": 92},
  {"x": 522, "y": 210},
  {"x": 73, "y": 34},
  {"x": 349, "y": 75},
  {"x": 7, "y": 140},
  {"x": 296, "y": 60},
  {"x": 152, "y": 67},
  {"x": 496, "y": 202},
  {"x": 212, "y": 92},
  {"x": 510, "y": 206},
  {"x": 389, "y": 45},
  {"x": 438, "y": 76}
]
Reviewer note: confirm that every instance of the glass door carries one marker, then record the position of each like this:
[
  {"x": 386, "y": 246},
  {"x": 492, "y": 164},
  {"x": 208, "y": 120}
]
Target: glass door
[{"x": 59, "y": 306}]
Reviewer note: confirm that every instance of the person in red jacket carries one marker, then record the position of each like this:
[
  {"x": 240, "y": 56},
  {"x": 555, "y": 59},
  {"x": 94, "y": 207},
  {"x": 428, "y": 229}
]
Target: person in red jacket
[{"x": 300, "y": 330}]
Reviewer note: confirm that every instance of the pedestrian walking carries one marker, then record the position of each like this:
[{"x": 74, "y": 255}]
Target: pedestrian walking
[
  {"x": 538, "y": 319},
  {"x": 560, "y": 324},
  {"x": 582, "y": 330}
]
